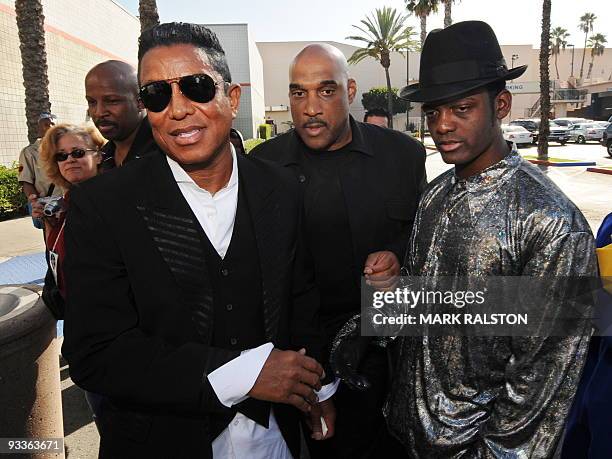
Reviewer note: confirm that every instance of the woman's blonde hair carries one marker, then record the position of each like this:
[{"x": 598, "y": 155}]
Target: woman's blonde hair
[{"x": 48, "y": 147}]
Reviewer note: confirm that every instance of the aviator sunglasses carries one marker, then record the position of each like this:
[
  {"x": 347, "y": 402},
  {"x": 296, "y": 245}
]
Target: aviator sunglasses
[
  {"x": 200, "y": 88},
  {"x": 76, "y": 154}
]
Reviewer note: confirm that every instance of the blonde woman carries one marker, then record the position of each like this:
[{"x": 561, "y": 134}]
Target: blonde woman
[{"x": 69, "y": 155}]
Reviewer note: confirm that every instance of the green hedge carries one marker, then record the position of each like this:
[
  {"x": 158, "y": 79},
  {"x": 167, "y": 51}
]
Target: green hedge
[
  {"x": 12, "y": 200},
  {"x": 249, "y": 144}
]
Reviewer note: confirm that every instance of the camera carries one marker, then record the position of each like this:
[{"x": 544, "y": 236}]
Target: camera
[{"x": 52, "y": 205}]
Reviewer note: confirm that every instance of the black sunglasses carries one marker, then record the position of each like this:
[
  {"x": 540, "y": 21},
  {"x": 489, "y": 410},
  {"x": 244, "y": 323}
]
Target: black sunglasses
[
  {"x": 199, "y": 88},
  {"x": 76, "y": 154}
]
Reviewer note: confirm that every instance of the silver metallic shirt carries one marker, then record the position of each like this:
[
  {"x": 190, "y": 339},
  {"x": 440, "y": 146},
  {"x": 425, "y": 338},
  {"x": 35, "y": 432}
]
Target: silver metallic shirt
[{"x": 485, "y": 397}]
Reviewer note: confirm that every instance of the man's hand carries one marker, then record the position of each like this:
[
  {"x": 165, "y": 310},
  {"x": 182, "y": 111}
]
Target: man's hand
[
  {"x": 289, "y": 377},
  {"x": 37, "y": 208},
  {"x": 381, "y": 269},
  {"x": 327, "y": 411}
]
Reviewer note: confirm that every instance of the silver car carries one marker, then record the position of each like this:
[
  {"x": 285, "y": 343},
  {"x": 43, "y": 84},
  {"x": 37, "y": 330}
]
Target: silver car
[{"x": 583, "y": 132}]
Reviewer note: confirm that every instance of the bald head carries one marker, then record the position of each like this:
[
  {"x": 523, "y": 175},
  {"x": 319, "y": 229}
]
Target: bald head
[
  {"x": 120, "y": 73},
  {"x": 111, "y": 89},
  {"x": 320, "y": 92},
  {"x": 322, "y": 53}
]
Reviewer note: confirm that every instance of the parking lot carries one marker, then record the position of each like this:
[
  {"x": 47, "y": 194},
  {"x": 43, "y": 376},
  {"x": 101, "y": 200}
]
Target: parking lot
[{"x": 590, "y": 191}]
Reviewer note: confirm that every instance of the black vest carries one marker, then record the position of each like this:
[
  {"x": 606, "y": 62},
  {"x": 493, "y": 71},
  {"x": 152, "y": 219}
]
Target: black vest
[{"x": 238, "y": 311}]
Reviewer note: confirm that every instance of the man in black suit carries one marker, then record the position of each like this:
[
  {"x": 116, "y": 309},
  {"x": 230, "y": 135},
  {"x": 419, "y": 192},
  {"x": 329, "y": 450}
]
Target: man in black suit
[
  {"x": 111, "y": 90},
  {"x": 361, "y": 185},
  {"x": 186, "y": 278}
]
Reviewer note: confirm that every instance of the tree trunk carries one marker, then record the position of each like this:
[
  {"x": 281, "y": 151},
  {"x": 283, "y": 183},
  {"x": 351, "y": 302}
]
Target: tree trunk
[
  {"x": 147, "y": 9},
  {"x": 30, "y": 24},
  {"x": 423, "y": 36},
  {"x": 586, "y": 36},
  {"x": 448, "y": 5},
  {"x": 556, "y": 67},
  {"x": 423, "y": 29},
  {"x": 544, "y": 82},
  {"x": 389, "y": 98},
  {"x": 590, "y": 67}
]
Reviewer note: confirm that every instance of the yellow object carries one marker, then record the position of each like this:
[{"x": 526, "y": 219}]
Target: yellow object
[{"x": 604, "y": 257}]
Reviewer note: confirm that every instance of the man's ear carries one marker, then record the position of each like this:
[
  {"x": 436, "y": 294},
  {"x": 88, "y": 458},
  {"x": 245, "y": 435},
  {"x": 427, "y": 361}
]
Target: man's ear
[
  {"x": 503, "y": 104},
  {"x": 352, "y": 90},
  {"x": 233, "y": 92}
]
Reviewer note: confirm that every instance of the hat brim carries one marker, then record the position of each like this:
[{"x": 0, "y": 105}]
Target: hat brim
[{"x": 415, "y": 93}]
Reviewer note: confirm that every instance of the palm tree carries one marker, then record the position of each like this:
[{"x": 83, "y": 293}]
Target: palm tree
[
  {"x": 30, "y": 25},
  {"x": 597, "y": 43},
  {"x": 586, "y": 25},
  {"x": 559, "y": 41},
  {"x": 422, "y": 9},
  {"x": 147, "y": 10},
  {"x": 544, "y": 82},
  {"x": 384, "y": 32},
  {"x": 448, "y": 5}
]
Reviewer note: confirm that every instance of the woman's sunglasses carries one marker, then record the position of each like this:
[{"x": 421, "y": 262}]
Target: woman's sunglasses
[
  {"x": 76, "y": 154},
  {"x": 199, "y": 88}
]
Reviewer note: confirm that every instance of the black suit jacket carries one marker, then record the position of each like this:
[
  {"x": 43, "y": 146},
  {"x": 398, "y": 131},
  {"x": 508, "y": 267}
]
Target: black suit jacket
[
  {"x": 381, "y": 187},
  {"x": 139, "y": 316}
]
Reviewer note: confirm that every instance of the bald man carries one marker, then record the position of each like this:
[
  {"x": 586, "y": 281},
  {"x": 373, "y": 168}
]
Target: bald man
[
  {"x": 361, "y": 184},
  {"x": 111, "y": 90}
]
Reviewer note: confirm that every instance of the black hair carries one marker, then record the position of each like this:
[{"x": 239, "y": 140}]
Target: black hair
[
  {"x": 183, "y": 33},
  {"x": 376, "y": 112}
]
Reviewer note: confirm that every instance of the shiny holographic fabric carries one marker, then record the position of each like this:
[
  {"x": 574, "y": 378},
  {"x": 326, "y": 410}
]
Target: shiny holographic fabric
[{"x": 491, "y": 397}]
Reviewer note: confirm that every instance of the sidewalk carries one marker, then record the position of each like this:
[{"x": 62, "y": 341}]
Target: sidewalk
[
  {"x": 19, "y": 237},
  {"x": 22, "y": 261}
]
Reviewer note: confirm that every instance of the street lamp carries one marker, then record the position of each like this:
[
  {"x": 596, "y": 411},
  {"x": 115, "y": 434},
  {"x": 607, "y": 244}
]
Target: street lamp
[
  {"x": 573, "y": 47},
  {"x": 514, "y": 58},
  {"x": 407, "y": 83}
]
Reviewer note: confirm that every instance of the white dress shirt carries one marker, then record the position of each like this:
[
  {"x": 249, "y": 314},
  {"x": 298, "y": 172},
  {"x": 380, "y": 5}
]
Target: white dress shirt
[{"x": 243, "y": 438}]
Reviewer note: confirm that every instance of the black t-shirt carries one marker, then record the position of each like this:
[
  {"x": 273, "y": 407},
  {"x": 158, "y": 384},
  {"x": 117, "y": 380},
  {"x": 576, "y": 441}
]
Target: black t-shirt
[{"x": 328, "y": 235}]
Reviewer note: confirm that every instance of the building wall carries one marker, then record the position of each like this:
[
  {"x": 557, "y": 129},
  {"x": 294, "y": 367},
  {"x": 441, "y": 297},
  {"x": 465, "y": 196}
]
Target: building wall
[
  {"x": 369, "y": 73},
  {"x": 246, "y": 68},
  {"x": 257, "y": 86},
  {"x": 79, "y": 34}
]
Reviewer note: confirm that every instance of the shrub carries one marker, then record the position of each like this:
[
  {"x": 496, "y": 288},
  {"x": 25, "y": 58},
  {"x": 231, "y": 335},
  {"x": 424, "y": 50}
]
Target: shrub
[
  {"x": 377, "y": 98},
  {"x": 12, "y": 200},
  {"x": 249, "y": 144}
]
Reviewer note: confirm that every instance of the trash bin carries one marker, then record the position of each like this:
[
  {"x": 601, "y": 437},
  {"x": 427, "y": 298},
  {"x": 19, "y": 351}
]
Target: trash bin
[{"x": 30, "y": 392}]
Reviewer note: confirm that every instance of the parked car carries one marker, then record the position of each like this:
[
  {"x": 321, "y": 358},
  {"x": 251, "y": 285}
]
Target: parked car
[
  {"x": 532, "y": 125},
  {"x": 569, "y": 121},
  {"x": 517, "y": 134},
  {"x": 582, "y": 132},
  {"x": 606, "y": 139},
  {"x": 605, "y": 124},
  {"x": 557, "y": 133}
]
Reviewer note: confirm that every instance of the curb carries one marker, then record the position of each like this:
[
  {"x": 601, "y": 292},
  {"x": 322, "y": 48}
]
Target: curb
[
  {"x": 599, "y": 170},
  {"x": 568, "y": 164}
]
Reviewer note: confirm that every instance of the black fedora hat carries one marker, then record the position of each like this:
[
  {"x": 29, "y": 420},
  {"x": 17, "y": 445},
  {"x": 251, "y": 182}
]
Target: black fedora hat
[{"x": 459, "y": 59}]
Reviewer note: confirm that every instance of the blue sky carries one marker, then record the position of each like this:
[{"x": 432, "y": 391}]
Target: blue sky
[{"x": 514, "y": 21}]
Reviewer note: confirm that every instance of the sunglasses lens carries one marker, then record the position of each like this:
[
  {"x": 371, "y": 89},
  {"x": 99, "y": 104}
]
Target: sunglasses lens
[
  {"x": 77, "y": 153},
  {"x": 59, "y": 157},
  {"x": 156, "y": 96},
  {"x": 199, "y": 88}
]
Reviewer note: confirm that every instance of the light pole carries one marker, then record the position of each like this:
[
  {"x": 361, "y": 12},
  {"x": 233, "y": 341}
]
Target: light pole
[
  {"x": 514, "y": 58},
  {"x": 407, "y": 83},
  {"x": 573, "y": 47}
]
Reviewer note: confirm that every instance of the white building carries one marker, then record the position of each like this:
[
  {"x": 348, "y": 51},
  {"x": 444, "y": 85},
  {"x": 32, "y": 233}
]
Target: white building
[{"x": 82, "y": 33}]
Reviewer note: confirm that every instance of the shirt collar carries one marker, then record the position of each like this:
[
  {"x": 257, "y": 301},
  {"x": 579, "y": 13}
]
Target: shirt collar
[
  {"x": 491, "y": 176},
  {"x": 358, "y": 143},
  {"x": 183, "y": 177}
]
